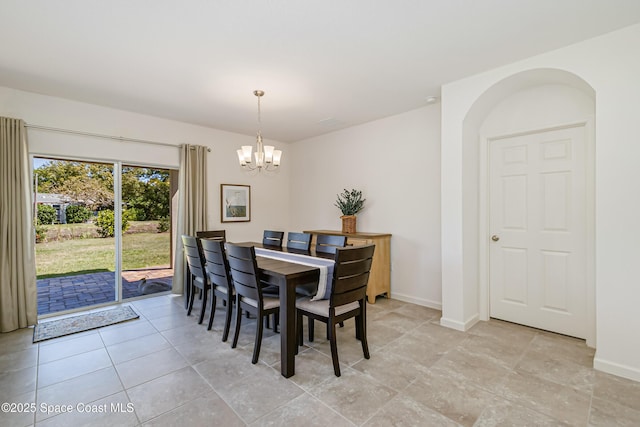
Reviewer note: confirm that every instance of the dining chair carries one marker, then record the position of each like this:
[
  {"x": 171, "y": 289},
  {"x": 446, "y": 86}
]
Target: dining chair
[
  {"x": 299, "y": 241},
  {"x": 348, "y": 299},
  {"x": 327, "y": 244},
  {"x": 198, "y": 278},
  {"x": 213, "y": 234},
  {"x": 302, "y": 242},
  {"x": 217, "y": 268},
  {"x": 208, "y": 234},
  {"x": 272, "y": 238},
  {"x": 246, "y": 282}
]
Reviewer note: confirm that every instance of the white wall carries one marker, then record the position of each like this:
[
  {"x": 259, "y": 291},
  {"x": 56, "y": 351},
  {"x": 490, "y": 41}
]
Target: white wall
[
  {"x": 269, "y": 194},
  {"x": 610, "y": 64},
  {"x": 396, "y": 163}
]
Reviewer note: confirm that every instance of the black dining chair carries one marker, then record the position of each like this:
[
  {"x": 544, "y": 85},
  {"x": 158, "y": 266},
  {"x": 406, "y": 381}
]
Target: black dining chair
[
  {"x": 208, "y": 234},
  {"x": 272, "y": 238},
  {"x": 198, "y": 278},
  {"x": 213, "y": 234},
  {"x": 348, "y": 299},
  {"x": 327, "y": 244},
  {"x": 246, "y": 282},
  {"x": 217, "y": 268},
  {"x": 299, "y": 241}
]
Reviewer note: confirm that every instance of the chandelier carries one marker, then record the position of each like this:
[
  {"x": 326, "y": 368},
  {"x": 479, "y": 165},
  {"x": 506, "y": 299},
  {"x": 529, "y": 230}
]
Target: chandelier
[{"x": 265, "y": 156}]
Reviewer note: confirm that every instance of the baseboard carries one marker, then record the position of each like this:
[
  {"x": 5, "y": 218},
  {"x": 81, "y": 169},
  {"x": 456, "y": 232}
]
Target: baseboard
[
  {"x": 418, "y": 301},
  {"x": 460, "y": 326},
  {"x": 616, "y": 369}
]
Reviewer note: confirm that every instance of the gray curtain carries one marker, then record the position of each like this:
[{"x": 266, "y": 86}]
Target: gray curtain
[
  {"x": 18, "y": 291},
  {"x": 192, "y": 204}
]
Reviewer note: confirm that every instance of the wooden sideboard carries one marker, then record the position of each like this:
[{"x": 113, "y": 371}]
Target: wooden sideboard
[{"x": 380, "y": 276}]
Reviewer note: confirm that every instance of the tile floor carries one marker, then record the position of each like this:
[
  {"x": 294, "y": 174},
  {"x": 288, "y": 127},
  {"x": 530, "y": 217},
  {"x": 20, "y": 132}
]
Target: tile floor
[{"x": 164, "y": 369}]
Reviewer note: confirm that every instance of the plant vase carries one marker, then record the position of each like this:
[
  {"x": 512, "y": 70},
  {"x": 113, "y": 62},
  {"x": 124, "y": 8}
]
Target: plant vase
[
  {"x": 349, "y": 203},
  {"x": 348, "y": 223}
]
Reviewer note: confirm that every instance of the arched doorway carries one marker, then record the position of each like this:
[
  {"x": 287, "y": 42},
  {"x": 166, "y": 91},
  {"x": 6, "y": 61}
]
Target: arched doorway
[{"x": 532, "y": 104}]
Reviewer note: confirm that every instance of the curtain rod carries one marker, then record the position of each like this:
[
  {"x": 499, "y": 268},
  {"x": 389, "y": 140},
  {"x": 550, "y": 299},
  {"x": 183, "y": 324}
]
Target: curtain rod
[{"x": 98, "y": 135}]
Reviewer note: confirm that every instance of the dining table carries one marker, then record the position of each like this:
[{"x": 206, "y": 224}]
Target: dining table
[{"x": 286, "y": 275}]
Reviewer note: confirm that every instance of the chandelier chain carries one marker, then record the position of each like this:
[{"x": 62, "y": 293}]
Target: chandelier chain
[{"x": 259, "y": 114}]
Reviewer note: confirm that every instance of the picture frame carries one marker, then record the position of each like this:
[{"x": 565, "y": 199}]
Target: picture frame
[{"x": 235, "y": 203}]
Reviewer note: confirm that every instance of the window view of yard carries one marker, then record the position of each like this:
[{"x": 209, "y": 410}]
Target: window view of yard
[{"x": 75, "y": 233}]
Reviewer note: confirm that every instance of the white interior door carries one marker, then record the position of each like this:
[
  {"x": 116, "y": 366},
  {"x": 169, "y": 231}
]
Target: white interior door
[{"x": 537, "y": 207}]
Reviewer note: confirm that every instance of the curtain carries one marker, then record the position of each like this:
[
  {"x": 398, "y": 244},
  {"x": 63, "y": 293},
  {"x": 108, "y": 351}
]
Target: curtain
[
  {"x": 192, "y": 204},
  {"x": 18, "y": 291}
]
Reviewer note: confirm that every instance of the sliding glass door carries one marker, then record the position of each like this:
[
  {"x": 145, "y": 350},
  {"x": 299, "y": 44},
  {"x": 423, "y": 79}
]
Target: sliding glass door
[
  {"x": 75, "y": 241},
  {"x": 102, "y": 233},
  {"x": 146, "y": 243}
]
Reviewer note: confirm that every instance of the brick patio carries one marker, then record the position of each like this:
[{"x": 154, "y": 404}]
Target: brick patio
[{"x": 82, "y": 290}]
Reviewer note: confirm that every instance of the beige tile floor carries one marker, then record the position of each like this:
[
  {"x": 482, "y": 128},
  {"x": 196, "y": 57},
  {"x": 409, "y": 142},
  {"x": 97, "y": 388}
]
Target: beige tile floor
[{"x": 164, "y": 369}]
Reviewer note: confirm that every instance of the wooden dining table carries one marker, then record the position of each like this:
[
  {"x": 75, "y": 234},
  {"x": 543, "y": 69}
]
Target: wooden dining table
[{"x": 286, "y": 275}]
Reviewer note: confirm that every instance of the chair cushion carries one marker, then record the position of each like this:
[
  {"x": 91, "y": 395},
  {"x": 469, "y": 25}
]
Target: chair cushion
[
  {"x": 321, "y": 307},
  {"x": 198, "y": 282},
  {"x": 222, "y": 289},
  {"x": 268, "y": 302},
  {"x": 271, "y": 302}
]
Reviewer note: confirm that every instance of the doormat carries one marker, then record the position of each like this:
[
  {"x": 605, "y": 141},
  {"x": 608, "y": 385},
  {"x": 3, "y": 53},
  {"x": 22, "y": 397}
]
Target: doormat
[{"x": 85, "y": 322}]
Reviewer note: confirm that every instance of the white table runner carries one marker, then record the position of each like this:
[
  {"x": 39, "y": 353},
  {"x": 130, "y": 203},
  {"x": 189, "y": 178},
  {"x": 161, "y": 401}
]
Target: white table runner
[{"x": 325, "y": 266}]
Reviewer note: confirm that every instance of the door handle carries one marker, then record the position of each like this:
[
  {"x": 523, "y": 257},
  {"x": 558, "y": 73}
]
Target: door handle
[{"x": 495, "y": 238}]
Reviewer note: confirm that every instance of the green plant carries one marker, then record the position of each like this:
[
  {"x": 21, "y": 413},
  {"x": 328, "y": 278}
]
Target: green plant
[
  {"x": 350, "y": 202},
  {"x": 164, "y": 224},
  {"x": 77, "y": 214},
  {"x": 136, "y": 214},
  {"x": 127, "y": 216},
  {"x": 46, "y": 214},
  {"x": 41, "y": 233},
  {"x": 105, "y": 223}
]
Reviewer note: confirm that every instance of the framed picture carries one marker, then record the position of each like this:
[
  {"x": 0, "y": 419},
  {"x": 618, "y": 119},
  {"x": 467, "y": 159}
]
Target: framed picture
[{"x": 235, "y": 203}]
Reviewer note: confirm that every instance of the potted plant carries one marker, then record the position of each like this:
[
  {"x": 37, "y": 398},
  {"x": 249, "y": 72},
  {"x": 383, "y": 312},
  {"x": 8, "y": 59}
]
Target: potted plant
[{"x": 349, "y": 203}]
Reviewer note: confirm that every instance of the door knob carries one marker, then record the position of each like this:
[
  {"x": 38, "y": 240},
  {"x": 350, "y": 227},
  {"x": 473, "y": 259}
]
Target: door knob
[{"x": 495, "y": 238}]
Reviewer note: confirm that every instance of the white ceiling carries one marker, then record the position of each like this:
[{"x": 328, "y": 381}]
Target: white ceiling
[{"x": 349, "y": 61}]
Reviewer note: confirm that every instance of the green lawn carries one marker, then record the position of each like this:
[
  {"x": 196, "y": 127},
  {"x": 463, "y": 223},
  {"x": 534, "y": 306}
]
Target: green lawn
[{"x": 77, "y": 256}]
